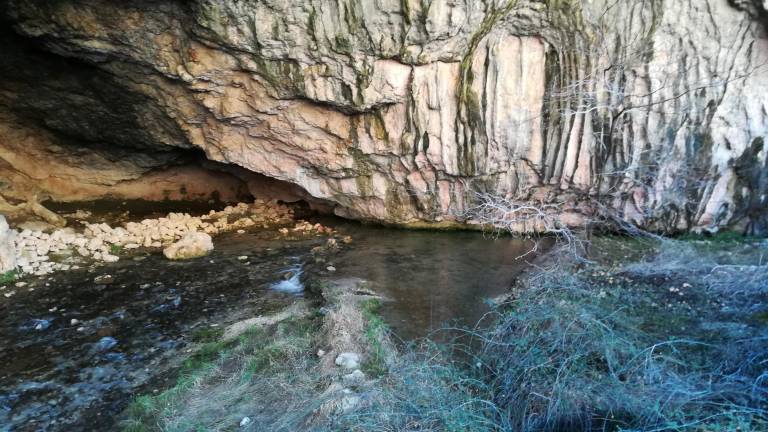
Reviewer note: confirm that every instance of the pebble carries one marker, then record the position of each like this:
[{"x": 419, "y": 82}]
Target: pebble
[
  {"x": 103, "y": 279},
  {"x": 357, "y": 377},
  {"x": 331, "y": 268},
  {"x": 106, "y": 343},
  {"x": 348, "y": 360},
  {"x": 245, "y": 421},
  {"x": 41, "y": 324}
]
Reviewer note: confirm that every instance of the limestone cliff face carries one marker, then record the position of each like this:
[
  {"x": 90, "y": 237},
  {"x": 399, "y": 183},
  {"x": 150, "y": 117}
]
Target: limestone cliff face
[{"x": 400, "y": 110}]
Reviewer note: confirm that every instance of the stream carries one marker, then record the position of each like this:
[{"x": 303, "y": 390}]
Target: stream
[{"x": 78, "y": 345}]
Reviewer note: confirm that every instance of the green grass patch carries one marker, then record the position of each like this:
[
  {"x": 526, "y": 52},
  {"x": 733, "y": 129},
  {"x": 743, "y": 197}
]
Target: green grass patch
[
  {"x": 206, "y": 354},
  {"x": 375, "y": 330},
  {"x": 207, "y": 334},
  {"x": 8, "y": 277},
  {"x": 115, "y": 249},
  {"x": 268, "y": 353},
  {"x": 260, "y": 353}
]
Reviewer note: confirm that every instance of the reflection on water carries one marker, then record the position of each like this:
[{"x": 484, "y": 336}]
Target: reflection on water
[{"x": 433, "y": 278}]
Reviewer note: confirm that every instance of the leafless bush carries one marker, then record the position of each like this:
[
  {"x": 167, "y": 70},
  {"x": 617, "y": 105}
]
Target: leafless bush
[
  {"x": 567, "y": 356},
  {"x": 742, "y": 282},
  {"x": 503, "y": 215}
]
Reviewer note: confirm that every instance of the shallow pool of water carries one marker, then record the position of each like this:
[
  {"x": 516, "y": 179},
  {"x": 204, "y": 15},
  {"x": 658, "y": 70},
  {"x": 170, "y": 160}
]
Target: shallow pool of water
[{"x": 432, "y": 279}]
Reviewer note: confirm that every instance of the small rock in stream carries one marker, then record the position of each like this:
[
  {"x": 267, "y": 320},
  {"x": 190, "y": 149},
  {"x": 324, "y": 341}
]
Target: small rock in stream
[
  {"x": 103, "y": 279},
  {"x": 106, "y": 343},
  {"x": 41, "y": 324}
]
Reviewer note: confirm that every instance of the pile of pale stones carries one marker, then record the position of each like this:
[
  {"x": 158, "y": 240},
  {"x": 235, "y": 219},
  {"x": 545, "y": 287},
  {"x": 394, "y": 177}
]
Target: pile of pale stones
[
  {"x": 35, "y": 250},
  {"x": 304, "y": 227}
]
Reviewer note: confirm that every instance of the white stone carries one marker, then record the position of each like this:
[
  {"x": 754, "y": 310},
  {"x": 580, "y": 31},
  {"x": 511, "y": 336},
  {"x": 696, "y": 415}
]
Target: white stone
[
  {"x": 7, "y": 246},
  {"x": 192, "y": 245},
  {"x": 109, "y": 258},
  {"x": 348, "y": 360}
]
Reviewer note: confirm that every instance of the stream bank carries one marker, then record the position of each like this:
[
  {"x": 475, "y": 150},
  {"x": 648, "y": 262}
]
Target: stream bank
[{"x": 82, "y": 343}]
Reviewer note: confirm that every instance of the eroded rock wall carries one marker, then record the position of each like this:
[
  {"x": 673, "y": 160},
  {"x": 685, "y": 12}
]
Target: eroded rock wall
[{"x": 399, "y": 110}]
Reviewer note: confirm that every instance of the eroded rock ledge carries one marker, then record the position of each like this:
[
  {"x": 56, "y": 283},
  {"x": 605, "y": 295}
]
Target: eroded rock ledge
[{"x": 399, "y": 111}]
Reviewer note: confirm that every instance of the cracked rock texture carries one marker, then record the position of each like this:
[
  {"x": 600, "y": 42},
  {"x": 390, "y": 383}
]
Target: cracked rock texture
[{"x": 400, "y": 110}]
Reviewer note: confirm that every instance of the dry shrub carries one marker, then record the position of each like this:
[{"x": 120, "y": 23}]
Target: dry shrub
[{"x": 575, "y": 353}]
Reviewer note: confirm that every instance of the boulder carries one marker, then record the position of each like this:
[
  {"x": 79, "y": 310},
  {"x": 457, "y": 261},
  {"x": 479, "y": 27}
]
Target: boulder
[
  {"x": 192, "y": 245},
  {"x": 7, "y": 246}
]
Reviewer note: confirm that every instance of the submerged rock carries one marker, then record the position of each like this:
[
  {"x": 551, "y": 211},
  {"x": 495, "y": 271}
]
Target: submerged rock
[
  {"x": 192, "y": 245},
  {"x": 106, "y": 343},
  {"x": 42, "y": 324}
]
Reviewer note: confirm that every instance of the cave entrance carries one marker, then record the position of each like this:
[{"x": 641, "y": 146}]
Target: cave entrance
[
  {"x": 72, "y": 135},
  {"x": 82, "y": 179}
]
